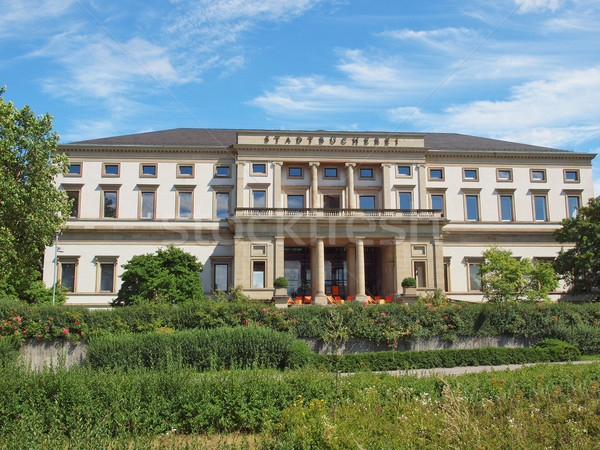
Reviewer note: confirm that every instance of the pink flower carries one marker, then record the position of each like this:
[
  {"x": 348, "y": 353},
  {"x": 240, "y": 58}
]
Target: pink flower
[
  {"x": 76, "y": 323},
  {"x": 466, "y": 303},
  {"x": 65, "y": 330},
  {"x": 264, "y": 309},
  {"x": 417, "y": 320},
  {"x": 383, "y": 314}
]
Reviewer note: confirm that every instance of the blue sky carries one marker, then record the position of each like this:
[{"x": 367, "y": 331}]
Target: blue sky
[{"x": 521, "y": 70}]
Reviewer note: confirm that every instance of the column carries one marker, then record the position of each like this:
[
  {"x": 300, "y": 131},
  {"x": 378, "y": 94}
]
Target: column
[
  {"x": 402, "y": 266},
  {"x": 239, "y": 184},
  {"x": 351, "y": 260},
  {"x": 350, "y": 182},
  {"x": 241, "y": 263},
  {"x": 277, "y": 184},
  {"x": 360, "y": 271},
  {"x": 438, "y": 263},
  {"x": 385, "y": 168},
  {"x": 422, "y": 186},
  {"x": 279, "y": 257},
  {"x": 314, "y": 184},
  {"x": 319, "y": 277}
]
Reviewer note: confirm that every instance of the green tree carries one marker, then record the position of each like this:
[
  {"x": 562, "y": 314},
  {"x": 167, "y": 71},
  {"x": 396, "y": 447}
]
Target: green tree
[
  {"x": 579, "y": 266},
  {"x": 169, "y": 276},
  {"x": 32, "y": 208},
  {"x": 506, "y": 278}
]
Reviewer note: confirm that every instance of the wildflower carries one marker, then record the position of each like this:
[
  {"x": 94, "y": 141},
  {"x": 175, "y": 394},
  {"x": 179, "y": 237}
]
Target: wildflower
[
  {"x": 418, "y": 320},
  {"x": 264, "y": 309},
  {"x": 76, "y": 323},
  {"x": 65, "y": 330},
  {"x": 383, "y": 314}
]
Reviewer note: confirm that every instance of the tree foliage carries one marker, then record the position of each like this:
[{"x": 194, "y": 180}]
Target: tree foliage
[
  {"x": 506, "y": 278},
  {"x": 32, "y": 208},
  {"x": 169, "y": 276},
  {"x": 580, "y": 265}
]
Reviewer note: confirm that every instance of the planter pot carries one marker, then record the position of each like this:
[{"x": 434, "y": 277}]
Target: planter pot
[
  {"x": 410, "y": 291},
  {"x": 281, "y": 292}
]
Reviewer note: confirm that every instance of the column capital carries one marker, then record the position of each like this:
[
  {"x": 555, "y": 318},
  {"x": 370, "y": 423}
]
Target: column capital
[
  {"x": 314, "y": 164},
  {"x": 351, "y": 164},
  {"x": 386, "y": 165},
  {"x": 421, "y": 165},
  {"x": 278, "y": 163},
  {"x": 241, "y": 163}
]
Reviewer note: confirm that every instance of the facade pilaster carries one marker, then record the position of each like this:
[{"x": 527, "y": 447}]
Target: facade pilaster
[
  {"x": 385, "y": 168},
  {"x": 360, "y": 271},
  {"x": 277, "y": 184},
  {"x": 350, "y": 183},
  {"x": 239, "y": 184},
  {"x": 422, "y": 186},
  {"x": 241, "y": 263},
  {"x": 438, "y": 263},
  {"x": 402, "y": 263},
  {"x": 314, "y": 184}
]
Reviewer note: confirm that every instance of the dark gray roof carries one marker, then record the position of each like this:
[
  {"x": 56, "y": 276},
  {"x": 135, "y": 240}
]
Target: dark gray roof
[{"x": 227, "y": 137}]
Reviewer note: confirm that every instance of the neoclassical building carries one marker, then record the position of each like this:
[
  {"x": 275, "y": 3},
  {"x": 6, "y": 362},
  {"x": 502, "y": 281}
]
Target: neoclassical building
[{"x": 336, "y": 213}]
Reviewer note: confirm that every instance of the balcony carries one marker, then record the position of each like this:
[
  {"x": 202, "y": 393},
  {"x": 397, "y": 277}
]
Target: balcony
[{"x": 323, "y": 212}]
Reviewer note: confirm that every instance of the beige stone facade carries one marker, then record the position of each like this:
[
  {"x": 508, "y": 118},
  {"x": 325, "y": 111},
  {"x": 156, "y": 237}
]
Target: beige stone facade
[{"x": 337, "y": 213}]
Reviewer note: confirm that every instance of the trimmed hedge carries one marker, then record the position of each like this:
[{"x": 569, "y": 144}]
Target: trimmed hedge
[
  {"x": 216, "y": 349},
  {"x": 546, "y": 350},
  {"x": 578, "y": 324}
]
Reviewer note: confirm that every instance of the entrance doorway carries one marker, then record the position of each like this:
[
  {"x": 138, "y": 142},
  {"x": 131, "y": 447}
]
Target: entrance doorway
[{"x": 336, "y": 272}]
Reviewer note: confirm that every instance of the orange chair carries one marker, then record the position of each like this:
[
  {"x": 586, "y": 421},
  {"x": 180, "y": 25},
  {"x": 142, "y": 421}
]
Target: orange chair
[
  {"x": 298, "y": 300},
  {"x": 350, "y": 298},
  {"x": 377, "y": 298},
  {"x": 290, "y": 300},
  {"x": 330, "y": 299},
  {"x": 338, "y": 299},
  {"x": 370, "y": 299},
  {"x": 307, "y": 299},
  {"x": 388, "y": 299}
]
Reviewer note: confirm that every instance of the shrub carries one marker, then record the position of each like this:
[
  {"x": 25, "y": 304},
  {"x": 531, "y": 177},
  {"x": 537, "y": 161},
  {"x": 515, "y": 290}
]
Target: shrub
[
  {"x": 280, "y": 282},
  {"x": 300, "y": 355},
  {"x": 409, "y": 282}
]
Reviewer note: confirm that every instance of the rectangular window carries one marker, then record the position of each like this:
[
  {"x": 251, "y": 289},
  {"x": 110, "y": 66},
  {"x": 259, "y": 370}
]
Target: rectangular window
[
  {"x": 474, "y": 278},
  {"x": 330, "y": 172},
  {"x": 258, "y": 274},
  {"x": 74, "y": 170},
  {"x": 571, "y": 176},
  {"x": 506, "y": 208},
  {"x": 107, "y": 277},
  {"x": 295, "y": 201},
  {"x": 573, "y": 202},
  {"x": 184, "y": 205},
  {"x": 436, "y": 174},
  {"x": 504, "y": 175},
  {"x": 367, "y": 202},
  {"x": 420, "y": 275},
  {"x": 259, "y": 199},
  {"x": 109, "y": 204},
  {"x": 222, "y": 205},
  {"x": 470, "y": 175},
  {"x": 148, "y": 170},
  {"x": 74, "y": 195},
  {"x": 295, "y": 172},
  {"x": 539, "y": 208},
  {"x": 437, "y": 203},
  {"x": 405, "y": 200},
  {"x": 366, "y": 173},
  {"x": 220, "y": 277},
  {"x": 404, "y": 171},
  {"x": 147, "y": 206},
  {"x": 331, "y": 201},
  {"x": 538, "y": 175},
  {"x": 472, "y": 204},
  {"x": 259, "y": 169},
  {"x": 222, "y": 171},
  {"x": 67, "y": 276},
  {"x": 110, "y": 170}
]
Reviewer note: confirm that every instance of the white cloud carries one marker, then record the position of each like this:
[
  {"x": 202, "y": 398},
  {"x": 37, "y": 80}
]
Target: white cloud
[
  {"x": 561, "y": 109},
  {"x": 538, "y": 5}
]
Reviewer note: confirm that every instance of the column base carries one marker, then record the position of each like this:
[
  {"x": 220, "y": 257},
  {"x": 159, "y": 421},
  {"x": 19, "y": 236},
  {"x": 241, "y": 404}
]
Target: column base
[
  {"x": 361, "y": 298},
  {"x": 320, "y": 299}
]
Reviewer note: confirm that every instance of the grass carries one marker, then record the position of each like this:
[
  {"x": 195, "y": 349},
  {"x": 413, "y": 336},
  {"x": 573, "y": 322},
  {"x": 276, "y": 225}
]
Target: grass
[{"x": 589, "y": 358}]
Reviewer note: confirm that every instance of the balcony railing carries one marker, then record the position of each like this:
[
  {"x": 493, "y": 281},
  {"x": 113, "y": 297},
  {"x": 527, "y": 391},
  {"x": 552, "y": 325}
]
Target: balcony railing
[{"x": 323, "y": 212}]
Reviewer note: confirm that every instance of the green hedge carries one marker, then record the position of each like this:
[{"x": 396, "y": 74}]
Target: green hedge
[
  {"x": 578, "y": 324},
  {"x": 545, "y": 351},
  {"x": 202, "y": 350}
]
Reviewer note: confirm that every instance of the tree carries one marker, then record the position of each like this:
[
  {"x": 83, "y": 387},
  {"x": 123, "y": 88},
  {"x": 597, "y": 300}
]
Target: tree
[
  {"x": 580, "y": 266},
  {"x": 506, "y": 278},
  {"x": 169, "y": 276},
  {"x": 32, "y": 208}
]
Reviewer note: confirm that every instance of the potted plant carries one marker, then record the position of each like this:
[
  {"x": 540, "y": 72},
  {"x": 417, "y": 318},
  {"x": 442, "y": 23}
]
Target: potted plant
[
  {"x": 409, "y": 286},
  {"x": 280, "y": 284}
]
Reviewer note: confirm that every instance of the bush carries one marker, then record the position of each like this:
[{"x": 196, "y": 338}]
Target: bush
[
  {"x": 280, "y": 282},
  {"x": 216, "y": 349},
  {"x": 548, "y": 350},
  {"x": 409, "y": 282},
  {"x": 300, "y": 355}
]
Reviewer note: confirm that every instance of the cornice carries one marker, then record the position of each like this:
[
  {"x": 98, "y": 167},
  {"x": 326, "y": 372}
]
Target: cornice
[
  {"x": 510, "y": 154},
  {"x": 145, "y": 148}
]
